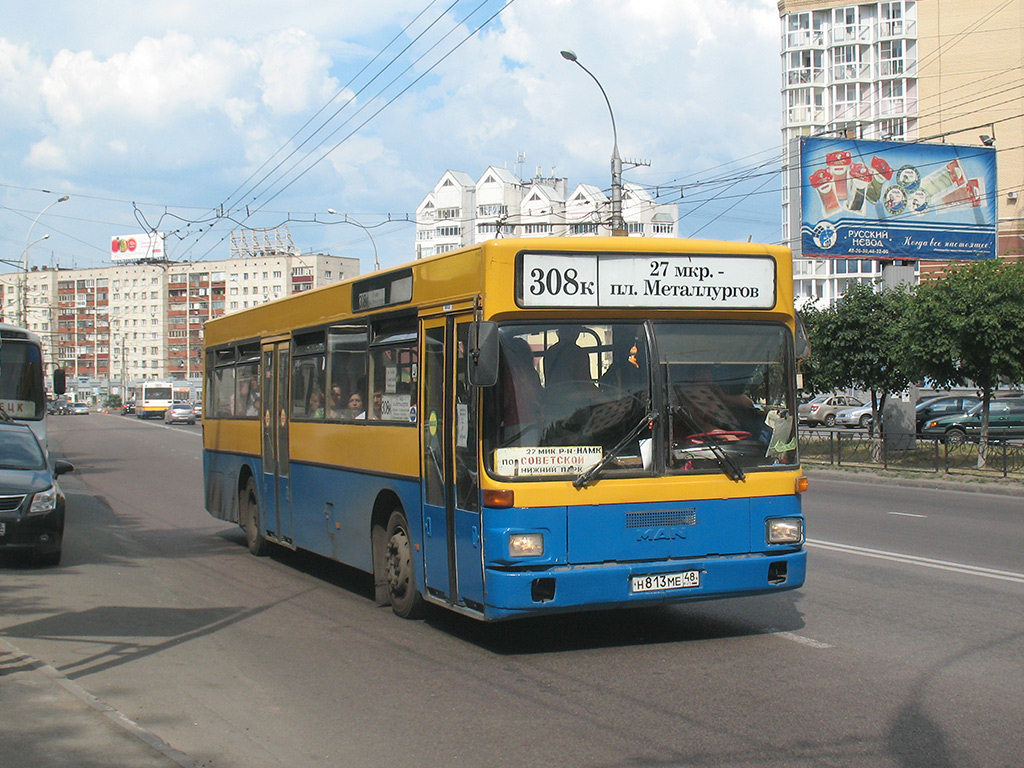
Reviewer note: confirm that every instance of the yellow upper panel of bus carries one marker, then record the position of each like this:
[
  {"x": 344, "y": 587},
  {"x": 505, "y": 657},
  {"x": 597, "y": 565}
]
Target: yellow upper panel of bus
[{"x": 488, "y": 272}]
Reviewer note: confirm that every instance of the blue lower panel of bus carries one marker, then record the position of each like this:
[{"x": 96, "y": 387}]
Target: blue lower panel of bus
[{"x": 594, "y": 556}]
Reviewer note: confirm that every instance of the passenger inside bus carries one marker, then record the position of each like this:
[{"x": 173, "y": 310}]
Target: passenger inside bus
[
  {"x": 521, "y": 390},
  {"x": 565, "y": 361}
]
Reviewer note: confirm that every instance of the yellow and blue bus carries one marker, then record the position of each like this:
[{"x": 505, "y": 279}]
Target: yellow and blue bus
[
  {"x": 22, "y": 386},
  {"x": 524, "y": 426}
]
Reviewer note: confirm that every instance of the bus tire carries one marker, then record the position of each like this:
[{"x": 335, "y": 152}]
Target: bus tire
[
  {"x": 249, "y": 511},
  {"x": 399, "y": 574}
]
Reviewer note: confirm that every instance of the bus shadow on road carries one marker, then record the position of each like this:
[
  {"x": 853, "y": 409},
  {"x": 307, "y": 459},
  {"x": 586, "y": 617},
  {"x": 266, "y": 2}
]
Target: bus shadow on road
[{"x": 680, "y": 623}]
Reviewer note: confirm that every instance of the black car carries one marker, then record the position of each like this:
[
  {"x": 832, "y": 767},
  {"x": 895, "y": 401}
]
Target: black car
[
  {"x": 31, "y": 502},
  {"x": 943, "y": 405}
]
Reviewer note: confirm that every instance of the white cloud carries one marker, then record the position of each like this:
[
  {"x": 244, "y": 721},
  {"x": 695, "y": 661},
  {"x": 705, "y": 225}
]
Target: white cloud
[{"x": 181, "y": 103}]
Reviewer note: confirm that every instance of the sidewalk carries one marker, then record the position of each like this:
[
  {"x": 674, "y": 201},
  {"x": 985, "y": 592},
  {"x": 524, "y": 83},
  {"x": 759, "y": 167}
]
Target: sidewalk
[{"x": 49, "y": 720}]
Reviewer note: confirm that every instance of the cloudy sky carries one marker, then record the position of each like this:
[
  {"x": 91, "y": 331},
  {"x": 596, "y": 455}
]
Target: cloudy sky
[{"x": 195, "y": 118}]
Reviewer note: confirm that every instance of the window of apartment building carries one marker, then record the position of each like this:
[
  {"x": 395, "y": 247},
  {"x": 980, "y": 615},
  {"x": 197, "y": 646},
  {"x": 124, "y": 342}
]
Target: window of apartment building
[
  {"x": 588, "y": 228},
  {"x": 892, "y": 101},
  {"x": 536, "y": 229},
  {"x": 449, "y": 231},
  {"x": 178, "y": 278},
  {"x": 893, "y": 129},
  {"x": 890, "y": 19},
  {"x": 845, "y": 62},
  {"x": 492, "y": 210},
  {"x": 798, "y": 31},
  {"x": 449, "y": 213},
  {"x": 890, "y": 58},
  {"x": 846, "y": 100},
  {"x": 844, "y": 23},
  {"x": 277, "y": 274},
  {"x": 635, "y": 227},
  {"x": 805, "y": 67},
  {"x": 234, "y": 305}
]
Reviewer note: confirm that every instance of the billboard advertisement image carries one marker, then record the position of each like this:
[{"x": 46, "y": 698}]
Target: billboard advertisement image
[
  {"x": 897, "y": 200},
  {"x": 143, "y": 247}
]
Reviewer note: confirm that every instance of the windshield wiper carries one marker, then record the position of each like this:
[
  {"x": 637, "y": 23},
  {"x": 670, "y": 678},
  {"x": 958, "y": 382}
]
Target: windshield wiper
[
  {"x": 613, "y": 453},
  {"x": 728, "y": 465}
]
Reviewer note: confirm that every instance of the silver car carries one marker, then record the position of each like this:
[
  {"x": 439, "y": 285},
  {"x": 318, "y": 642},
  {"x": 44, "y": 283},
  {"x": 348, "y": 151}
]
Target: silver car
[
  {"x": 180, "y": 413},
  {"x": 855, "y": 417},
  {"x": 823, "y": 409}
]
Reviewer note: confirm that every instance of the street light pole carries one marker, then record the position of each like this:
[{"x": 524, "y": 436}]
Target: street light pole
[
  {"x": 618, "y": 226},
  {"x": 24, "y": 257},
  {"x": 350, "y": 220}
]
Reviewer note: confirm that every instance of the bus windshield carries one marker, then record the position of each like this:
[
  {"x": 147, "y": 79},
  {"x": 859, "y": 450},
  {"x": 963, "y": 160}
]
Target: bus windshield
[
  {"x": 640, "y": 398},
  {"x": 21, "y": 380}
]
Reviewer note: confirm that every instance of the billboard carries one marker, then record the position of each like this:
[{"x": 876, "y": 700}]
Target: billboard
[
  {"x": 896, "y": 200},
  {"x": 145, "y": 247}
]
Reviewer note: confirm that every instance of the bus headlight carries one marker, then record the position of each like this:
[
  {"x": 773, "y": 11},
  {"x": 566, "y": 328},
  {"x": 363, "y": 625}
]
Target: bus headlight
[
  {"x": 784, "y": 530},
  {"x": 526, "y": 545}
]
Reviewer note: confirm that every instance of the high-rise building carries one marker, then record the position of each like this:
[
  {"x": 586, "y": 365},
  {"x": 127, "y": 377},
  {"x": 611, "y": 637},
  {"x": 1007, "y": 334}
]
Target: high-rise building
[
  {"x": 905, "y": 70},
  {"x": 459, "y": 211},
  {"x": 134, "y": 321}
]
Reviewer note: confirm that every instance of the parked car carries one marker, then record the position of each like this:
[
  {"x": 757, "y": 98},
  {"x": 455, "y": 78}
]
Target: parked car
[
  {"x": 855, "y": 417},
  {"x": 79, "y": 409},
  {"x": 823, "y": 409},
  {"x": 198, "y": 408},
  {"x": 31, "y": 502},
  {"x": 943, "y": 405},
  {"x": 128, "y": 408},
  {"x": 180, "y": 412},
  {"x": 1005, "y": 419}
]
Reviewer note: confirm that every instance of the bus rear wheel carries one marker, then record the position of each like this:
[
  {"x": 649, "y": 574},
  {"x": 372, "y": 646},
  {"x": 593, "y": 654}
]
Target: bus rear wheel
[
  {"x": 249, "y": 509},
  {"x": 399, "y": 575}
]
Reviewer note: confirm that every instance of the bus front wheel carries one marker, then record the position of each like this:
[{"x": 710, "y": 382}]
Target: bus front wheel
[
  {"x": 399, "y": 575},
  {"x": 249, "y": 507}
]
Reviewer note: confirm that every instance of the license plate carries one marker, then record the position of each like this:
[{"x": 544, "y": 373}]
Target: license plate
[
  {"x": 3, "y": 529},
  {"x": 656, "y": 582}
]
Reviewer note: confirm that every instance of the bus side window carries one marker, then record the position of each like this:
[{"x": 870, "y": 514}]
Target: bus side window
[
  {"x": 394, "y": 369},
  {"x": 223, "y": 392},
  {"x": 347, "y": 372},
  {"x": 308, "y": 397}
]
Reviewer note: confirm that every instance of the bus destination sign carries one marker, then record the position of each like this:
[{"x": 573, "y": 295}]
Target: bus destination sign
[{"x": 624, "y": 280}]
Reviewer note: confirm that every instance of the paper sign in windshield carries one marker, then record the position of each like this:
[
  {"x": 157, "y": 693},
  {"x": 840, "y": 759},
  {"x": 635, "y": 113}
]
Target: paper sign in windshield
[{"x": 551, "y": 460}]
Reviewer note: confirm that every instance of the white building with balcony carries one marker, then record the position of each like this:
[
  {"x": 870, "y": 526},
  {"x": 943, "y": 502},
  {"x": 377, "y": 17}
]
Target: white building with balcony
[{"x": 459, "y": 211}]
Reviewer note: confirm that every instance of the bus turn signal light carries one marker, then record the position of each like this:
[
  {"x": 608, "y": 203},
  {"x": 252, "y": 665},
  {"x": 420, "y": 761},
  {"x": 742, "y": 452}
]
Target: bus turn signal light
[
  {"x": 500, "y": 499},
  {"x": 802, "y": 484}
]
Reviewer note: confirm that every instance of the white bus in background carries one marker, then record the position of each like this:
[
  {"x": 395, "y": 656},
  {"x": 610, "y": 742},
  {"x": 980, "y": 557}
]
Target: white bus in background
[
  {"x": 154, "y": 398},
  {"x": 22, "y": 391}
]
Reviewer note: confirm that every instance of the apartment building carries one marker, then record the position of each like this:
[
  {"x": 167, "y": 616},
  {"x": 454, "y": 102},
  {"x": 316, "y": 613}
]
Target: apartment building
[
  {"x": 134, "y": 321},
  {"x": 905, "y": 70},
  {"x": 460, "y": 211}
]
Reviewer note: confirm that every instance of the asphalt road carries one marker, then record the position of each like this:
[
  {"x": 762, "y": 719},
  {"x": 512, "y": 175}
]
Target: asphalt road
[{"x": 904, "y": 648}]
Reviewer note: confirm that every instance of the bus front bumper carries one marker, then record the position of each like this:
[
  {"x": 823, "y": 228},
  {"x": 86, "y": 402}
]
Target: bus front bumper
[{"x": 519, "y": 593}]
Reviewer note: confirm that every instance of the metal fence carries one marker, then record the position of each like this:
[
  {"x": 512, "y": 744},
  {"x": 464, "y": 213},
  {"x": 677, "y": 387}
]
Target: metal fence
[{"x": 843, "y": 448}]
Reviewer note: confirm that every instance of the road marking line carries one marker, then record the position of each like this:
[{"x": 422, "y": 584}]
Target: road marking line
[
  {"x": 809, "y": 642},
  {"x": 906, "y": 514},
  {"x": 926, "y": 562}
]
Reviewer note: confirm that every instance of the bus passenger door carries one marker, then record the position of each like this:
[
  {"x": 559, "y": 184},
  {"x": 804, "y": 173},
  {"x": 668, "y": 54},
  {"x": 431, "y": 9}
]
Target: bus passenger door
[
  {"x": 451, "y": 495},
  {"x": 274, "y": 414}
]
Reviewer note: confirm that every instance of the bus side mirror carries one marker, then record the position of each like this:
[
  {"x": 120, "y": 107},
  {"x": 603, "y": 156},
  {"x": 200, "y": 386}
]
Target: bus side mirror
[
  {"x": 60, "y": 381},
  {"x": 482, "y": 361},
  {"x": 802, "y": 342}
]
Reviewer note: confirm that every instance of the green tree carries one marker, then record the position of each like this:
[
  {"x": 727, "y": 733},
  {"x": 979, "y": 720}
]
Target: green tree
[
  {"x": 969, "y": 327},
  {"x": 858, "y": 342}
]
